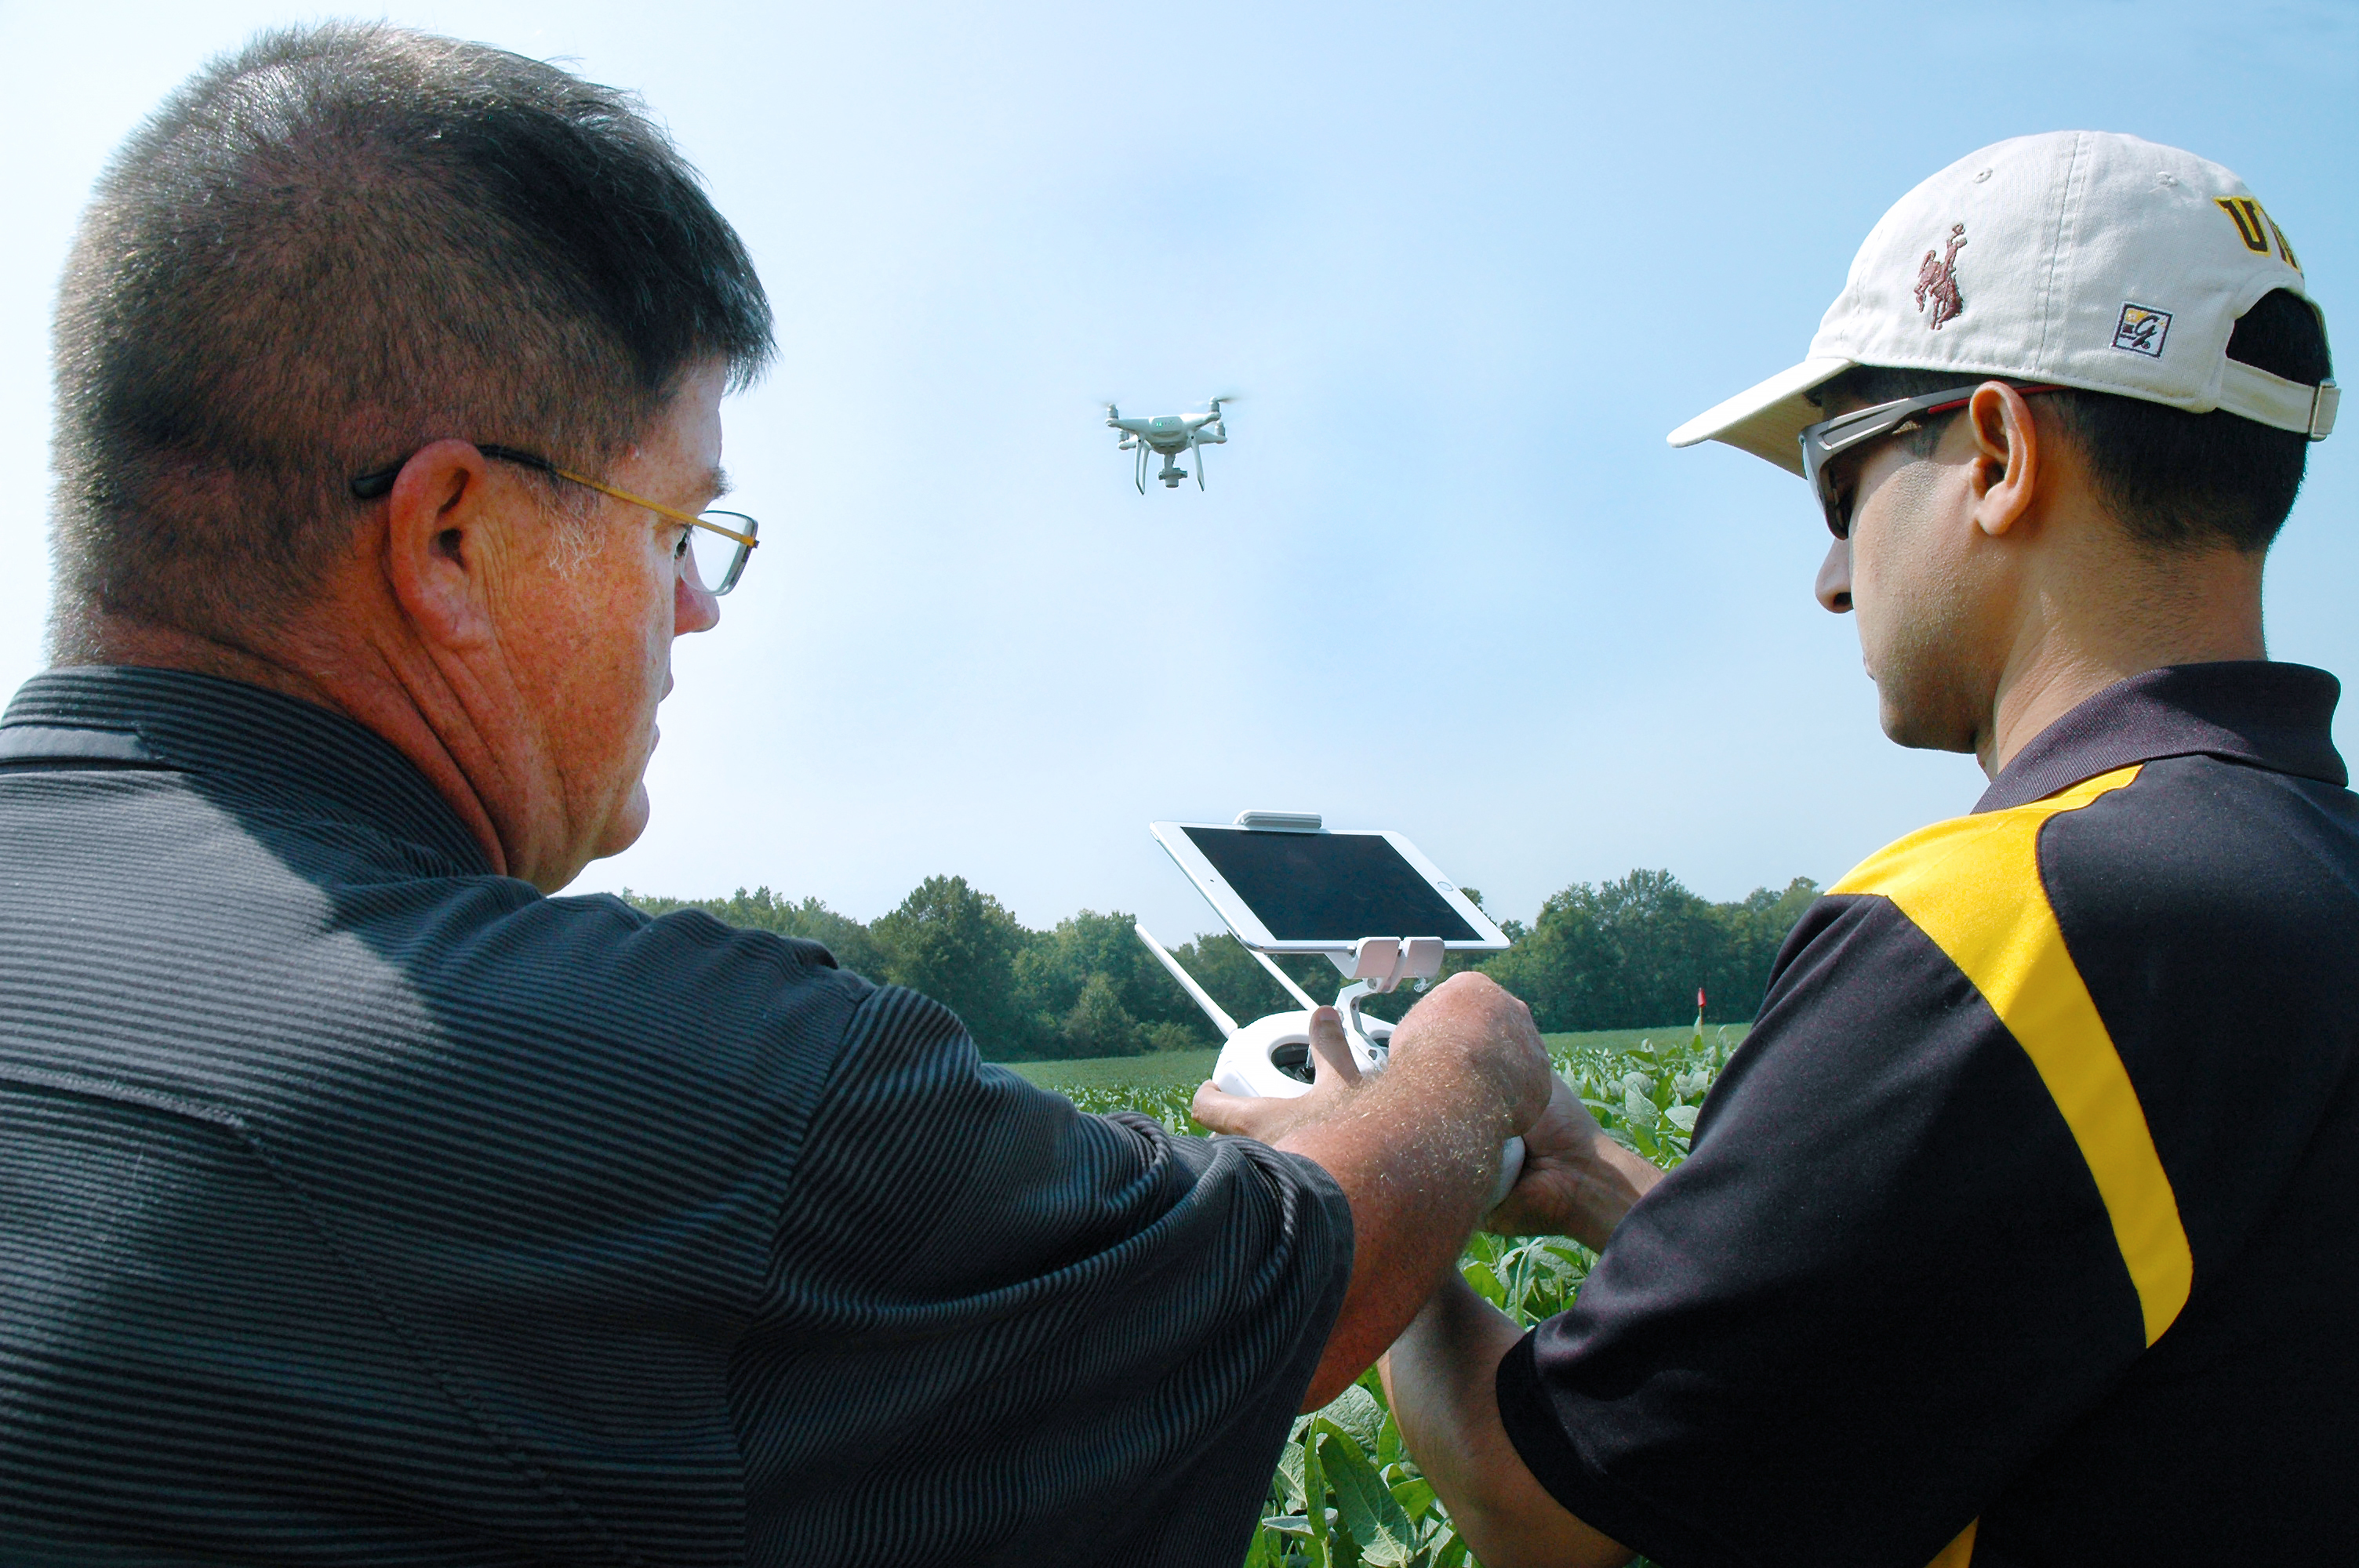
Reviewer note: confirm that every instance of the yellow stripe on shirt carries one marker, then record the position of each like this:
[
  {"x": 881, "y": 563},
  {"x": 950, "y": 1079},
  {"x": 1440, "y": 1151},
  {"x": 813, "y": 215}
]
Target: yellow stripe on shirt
[
  {"x": 1973, "y": 886},
  {"x": 1960, "y": 1553}
]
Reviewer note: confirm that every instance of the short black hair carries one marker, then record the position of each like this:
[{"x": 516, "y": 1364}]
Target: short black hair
[
  {"x": 333, "y": 246},
  {"x": 2174, "y": 480}
]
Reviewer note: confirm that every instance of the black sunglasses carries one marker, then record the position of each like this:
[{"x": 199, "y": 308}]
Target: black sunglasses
[{"x": 1827, "y": 439}]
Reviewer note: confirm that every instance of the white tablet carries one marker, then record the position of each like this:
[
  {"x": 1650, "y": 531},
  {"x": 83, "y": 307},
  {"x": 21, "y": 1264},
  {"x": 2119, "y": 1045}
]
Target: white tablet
[{"x": 1319, "y": 892}]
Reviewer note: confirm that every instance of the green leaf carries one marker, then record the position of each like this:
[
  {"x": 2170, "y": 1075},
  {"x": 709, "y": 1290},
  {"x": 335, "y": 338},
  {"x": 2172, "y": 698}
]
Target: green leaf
[
  {"x": 1374, "y": 1530},
  {"x": 1414, "y": 1497},
  {"x": 1367, "y": 1508},
  {"x": 1314, "y": 1488},
  {"x": 1355, "y": 1412},
  {"x": 1290, "y": 1474},
  {"x": 1683, "y": 1117}
]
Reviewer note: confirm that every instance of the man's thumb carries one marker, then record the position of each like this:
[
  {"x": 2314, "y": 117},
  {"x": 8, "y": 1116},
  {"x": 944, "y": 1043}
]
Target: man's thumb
[
  {"x": 1222, "y": 1111},
  {"x": 1329, "y": 1047}
]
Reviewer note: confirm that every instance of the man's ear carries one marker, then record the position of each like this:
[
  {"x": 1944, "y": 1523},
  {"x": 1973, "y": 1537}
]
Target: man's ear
[
  {"x": 2007, "y": 457},
  {"x": 437, "y": 520}
]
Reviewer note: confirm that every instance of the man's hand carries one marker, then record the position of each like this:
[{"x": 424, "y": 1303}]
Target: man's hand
[
  {"x": 1488, "y": 1031},
  {"x": 1414, "y": 1148},
  {"x": 1576, "y": 1181},
  {"x": 1333, "y": 1074}
]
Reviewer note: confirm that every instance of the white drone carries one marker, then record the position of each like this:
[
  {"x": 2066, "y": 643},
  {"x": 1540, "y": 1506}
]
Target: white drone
[{"x": 1170, "y": 434}]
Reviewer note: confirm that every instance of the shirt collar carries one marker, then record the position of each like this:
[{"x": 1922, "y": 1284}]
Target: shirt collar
[
  {"x": 276, "y": 750},
  {"x": 2267, "y": 715}
]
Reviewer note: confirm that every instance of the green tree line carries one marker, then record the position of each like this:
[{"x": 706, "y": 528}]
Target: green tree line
[{"x": 1618, "y": 954}]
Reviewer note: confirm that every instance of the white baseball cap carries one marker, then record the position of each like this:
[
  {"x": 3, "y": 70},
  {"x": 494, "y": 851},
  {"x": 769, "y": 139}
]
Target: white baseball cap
[{"x": 2077, "y": 258}]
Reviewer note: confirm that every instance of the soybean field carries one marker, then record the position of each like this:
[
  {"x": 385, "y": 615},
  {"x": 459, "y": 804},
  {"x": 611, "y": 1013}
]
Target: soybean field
[{"x": 1345, "y": 1492}]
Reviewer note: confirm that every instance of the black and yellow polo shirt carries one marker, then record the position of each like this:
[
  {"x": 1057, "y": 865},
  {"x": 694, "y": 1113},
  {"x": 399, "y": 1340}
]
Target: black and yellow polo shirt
[{"x": 2025, "y": 1227}]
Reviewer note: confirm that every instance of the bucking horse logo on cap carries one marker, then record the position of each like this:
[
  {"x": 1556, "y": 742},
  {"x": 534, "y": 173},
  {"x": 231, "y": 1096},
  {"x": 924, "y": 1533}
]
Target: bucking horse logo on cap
[{"x": 1938, "y": 276}]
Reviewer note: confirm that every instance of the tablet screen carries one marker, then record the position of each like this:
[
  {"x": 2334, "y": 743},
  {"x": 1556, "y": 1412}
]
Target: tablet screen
[{"x": 1318, "y": 887}]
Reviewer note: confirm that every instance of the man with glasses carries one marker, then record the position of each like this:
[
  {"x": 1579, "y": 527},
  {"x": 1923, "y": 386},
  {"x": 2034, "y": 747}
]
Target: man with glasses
[
  {"x": 2024, "y": 1228},
  {"x": 361, "y": 1203},
  {"x": 712, "y": 546}
]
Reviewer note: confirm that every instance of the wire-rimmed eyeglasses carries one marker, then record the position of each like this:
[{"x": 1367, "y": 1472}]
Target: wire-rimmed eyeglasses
[{"x": 716, "y": 544}]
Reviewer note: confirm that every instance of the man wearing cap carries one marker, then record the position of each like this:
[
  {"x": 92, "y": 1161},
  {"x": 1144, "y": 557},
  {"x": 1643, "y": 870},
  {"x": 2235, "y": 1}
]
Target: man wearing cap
[{"x": 2025, "y": 1227}]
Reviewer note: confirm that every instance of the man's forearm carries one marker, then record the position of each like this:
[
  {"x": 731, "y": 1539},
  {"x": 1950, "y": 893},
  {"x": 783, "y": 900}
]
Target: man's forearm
[
  {"x": 1606, "y": 1182},
  {"x": 1440, "y": 1377},
  {"x": 1416, "y": 1150},
  {"x": 1577, "y": 1181},
  {"x": 1416, "y": 1169}
]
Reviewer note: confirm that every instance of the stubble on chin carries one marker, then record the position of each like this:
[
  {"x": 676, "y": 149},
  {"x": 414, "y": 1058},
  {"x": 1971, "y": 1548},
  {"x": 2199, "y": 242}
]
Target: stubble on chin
[
  {"x": 1924, "y": 715},
  {"x": 1931, "y": 694}
]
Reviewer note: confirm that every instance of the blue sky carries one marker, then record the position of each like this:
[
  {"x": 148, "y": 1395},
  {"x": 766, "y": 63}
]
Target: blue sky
[{"x": 1469, "y": 264}]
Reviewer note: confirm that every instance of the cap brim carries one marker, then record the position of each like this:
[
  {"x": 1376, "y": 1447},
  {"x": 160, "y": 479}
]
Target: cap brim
[{"x": 1765, "y": 420}]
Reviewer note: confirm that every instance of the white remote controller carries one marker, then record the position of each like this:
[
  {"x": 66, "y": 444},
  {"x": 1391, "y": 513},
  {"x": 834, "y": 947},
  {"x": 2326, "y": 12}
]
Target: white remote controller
[
  {"x": 1284, "y": 883},
  {"x": 1271, "y": 1059}
]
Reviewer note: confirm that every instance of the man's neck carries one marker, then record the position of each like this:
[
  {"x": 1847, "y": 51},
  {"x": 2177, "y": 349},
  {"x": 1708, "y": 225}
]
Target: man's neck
[
  {"x": 2172, "y": 608},
  {"x": 349, "y": 686},
  {"x": 97, "y": 638}
]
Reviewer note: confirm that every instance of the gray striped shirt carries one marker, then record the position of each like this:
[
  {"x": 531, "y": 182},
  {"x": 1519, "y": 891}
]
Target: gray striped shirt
[{"x": 360, "y": 1206}]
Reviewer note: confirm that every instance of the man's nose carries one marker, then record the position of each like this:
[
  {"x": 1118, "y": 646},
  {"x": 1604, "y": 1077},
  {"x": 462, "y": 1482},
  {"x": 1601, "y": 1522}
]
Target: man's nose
[
  {"x": 1835, "y": 578},
  {"x": 693, "y": 608}
]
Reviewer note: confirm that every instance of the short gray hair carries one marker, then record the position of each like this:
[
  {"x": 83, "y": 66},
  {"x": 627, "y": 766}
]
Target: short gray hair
[{"x": 333, "y": 247}]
